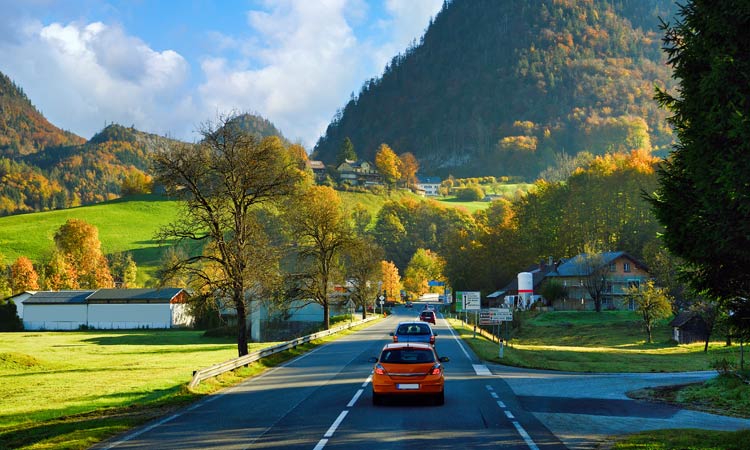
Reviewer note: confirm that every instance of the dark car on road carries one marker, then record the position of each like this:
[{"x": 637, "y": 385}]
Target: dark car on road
[
  {"x": 428, "y": 315},
  {"x": 414, "y": 332}
]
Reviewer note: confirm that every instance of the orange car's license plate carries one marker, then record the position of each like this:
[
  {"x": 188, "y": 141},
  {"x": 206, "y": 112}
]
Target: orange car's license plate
[{"x": 407, "y": 386}]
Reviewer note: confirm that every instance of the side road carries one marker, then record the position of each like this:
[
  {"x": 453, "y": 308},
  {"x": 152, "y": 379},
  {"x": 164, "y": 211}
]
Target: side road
[{"x": 583, "y": 409}]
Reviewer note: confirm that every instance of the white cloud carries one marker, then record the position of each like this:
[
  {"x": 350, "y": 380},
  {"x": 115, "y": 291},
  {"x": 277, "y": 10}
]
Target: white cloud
[
  {"x": 296, "y": 63},
  {"x": 303, "y": 55},
  {"x": 83, "y": 76},
  {"x": 307, "y": 60}
]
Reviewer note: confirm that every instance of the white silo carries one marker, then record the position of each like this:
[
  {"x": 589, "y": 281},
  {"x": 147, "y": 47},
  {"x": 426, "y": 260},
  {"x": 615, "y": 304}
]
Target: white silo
[{"x": 525, "y": 289}]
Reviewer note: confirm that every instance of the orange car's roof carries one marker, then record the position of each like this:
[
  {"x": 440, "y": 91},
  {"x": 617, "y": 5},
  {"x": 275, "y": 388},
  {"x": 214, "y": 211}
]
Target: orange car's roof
[{"x": 396, "y": 345}]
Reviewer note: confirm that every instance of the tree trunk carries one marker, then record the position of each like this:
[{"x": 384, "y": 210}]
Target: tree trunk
[
  {"x": 241, "y": 327},
  {"x": 364, "y": 312},
  {"x": 598, "y": 304},
  {"x": 326, "y": 316}
]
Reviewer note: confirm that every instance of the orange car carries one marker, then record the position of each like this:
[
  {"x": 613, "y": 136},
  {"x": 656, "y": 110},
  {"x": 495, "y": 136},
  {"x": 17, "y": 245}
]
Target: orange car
[{"x": 408, "y": 369}]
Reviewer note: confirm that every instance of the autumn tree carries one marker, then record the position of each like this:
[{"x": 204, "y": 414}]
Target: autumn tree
[
  {"x": 424, "y": 266},
  {"x": 5, "y": 285},
  {"x": 321, "y": 233},
  {"x": 58, "y": 274},
  {"x": 221, "y": 183},
  {"x": 23, "y": 276},
  {"x": 652, "y": 304},
  {"x": 363, "y": 272},
  {"x": 346, "y": 152},
  {"x": 409, "y": 166},
  {"x": 124, "y": 269},
  {"x": 391, "y": 279},
  {"x": 362, "y": 218},
  {"x": 78, "y": 243},
  {"x": 703, "y": 199},
  {"x": 388, "y": 165},
  {"x": 136, "y": 182}
]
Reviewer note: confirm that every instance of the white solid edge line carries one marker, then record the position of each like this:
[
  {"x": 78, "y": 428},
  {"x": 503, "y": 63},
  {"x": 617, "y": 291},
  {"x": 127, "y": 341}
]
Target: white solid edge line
[
  {"x": 321, "y": 444},
  {"x": 509, "y": 414},
  {"x": 525, "y": 436},
  {"x": 458, "y": 341}
]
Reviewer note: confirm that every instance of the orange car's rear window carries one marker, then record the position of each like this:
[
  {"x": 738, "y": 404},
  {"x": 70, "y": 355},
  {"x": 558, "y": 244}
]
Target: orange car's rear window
[{"x": 407, "y": 356}]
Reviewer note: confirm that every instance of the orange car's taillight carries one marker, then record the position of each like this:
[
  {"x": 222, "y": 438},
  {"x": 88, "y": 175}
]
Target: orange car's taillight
[
  {"x": 380, "y": 370},
  {"x": 395, "y": 338},
  {"x": 436, "y": 369}
]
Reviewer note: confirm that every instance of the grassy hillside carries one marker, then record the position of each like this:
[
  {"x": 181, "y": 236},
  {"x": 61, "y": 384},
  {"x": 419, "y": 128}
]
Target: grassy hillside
[{"x": 126, "y": 225}]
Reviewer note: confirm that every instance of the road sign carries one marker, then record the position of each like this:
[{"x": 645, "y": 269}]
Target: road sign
[
  {"x": 501, "y": 314},
  {"x": 472, "y": 301},
  {"x": 485, "y": 318},
  {"x": 435, "y": 283}
]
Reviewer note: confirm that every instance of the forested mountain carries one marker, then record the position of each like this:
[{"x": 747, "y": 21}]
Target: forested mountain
[
  {"x": 23, "y": 129},
  {"x": 43, "y": 167},
  {"x": 499, "y": 87}
]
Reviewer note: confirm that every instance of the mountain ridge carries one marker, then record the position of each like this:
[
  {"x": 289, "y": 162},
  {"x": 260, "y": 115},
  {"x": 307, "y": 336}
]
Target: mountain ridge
[{"x": 497, "y": 88}]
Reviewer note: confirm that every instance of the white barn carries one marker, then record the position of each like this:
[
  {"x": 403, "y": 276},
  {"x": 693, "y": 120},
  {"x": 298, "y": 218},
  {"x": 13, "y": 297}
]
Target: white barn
[{"x": 104, "y": 309}]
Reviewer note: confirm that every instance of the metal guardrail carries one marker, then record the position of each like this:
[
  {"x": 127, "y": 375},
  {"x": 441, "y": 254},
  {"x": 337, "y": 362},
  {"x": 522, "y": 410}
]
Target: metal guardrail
[{"x": 218, "y": 369}]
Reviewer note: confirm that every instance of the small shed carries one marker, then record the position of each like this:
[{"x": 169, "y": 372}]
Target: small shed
[{"x": 688, "y": 327}]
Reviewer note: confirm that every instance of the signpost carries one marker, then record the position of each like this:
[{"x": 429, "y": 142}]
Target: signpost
[{"x": 382, "y": 300}]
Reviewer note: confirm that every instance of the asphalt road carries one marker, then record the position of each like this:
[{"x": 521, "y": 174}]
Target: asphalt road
[{"x": 323, "y": 400}]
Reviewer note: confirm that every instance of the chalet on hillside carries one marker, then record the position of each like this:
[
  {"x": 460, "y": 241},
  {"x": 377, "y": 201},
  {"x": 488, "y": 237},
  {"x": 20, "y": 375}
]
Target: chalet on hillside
[
  {"x": 318, "y": 169},
  {"x": 358, "y": 173}
]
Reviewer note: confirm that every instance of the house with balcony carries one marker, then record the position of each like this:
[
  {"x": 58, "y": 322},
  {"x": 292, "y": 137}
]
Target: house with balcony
[
  {"x": 358, "y": 173},
  {"x": 619, "y": 269}
]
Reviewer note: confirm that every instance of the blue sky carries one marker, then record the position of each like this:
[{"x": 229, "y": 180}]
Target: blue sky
[{"x": 168, "y": 66}]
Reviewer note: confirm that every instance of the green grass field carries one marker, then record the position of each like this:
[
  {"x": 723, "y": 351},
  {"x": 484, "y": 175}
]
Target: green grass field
[
  {"x": 610, "y": 341},
  {"x": 69, "y": 390}
]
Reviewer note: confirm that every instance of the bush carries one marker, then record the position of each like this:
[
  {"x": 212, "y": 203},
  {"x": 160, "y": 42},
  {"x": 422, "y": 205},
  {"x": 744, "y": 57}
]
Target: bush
[
  {"x": 9, "y": 320},
  {"x": 470, "y": 193}
]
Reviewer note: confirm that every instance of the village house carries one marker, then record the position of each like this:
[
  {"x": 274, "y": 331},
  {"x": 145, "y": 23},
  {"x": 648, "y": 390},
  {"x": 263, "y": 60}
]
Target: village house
[
  {"x": 318, "y": 169},
  {"x": 358, "y": 173},
  {"x": 620, "y": 270},
  {"x": 429, "y": 185}
]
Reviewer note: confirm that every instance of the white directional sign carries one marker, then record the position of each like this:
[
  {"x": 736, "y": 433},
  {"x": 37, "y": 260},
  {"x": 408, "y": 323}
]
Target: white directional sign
[
  {"x": 472, "y": 300},
  {"x": 501, "y": 314}
]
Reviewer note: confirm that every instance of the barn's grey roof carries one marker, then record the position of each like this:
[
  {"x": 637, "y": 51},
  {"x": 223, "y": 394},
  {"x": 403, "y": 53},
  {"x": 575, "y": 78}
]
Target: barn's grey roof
[
  {"x": 146, "y": 295},
  {"x": 58, "y": 298},
  {"x": 165, "y": 294}
]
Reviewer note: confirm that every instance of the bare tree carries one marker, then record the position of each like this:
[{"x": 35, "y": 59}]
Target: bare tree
[
  {"x": 593, "y": 273},
  {"x": 222, "y": 181}
]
